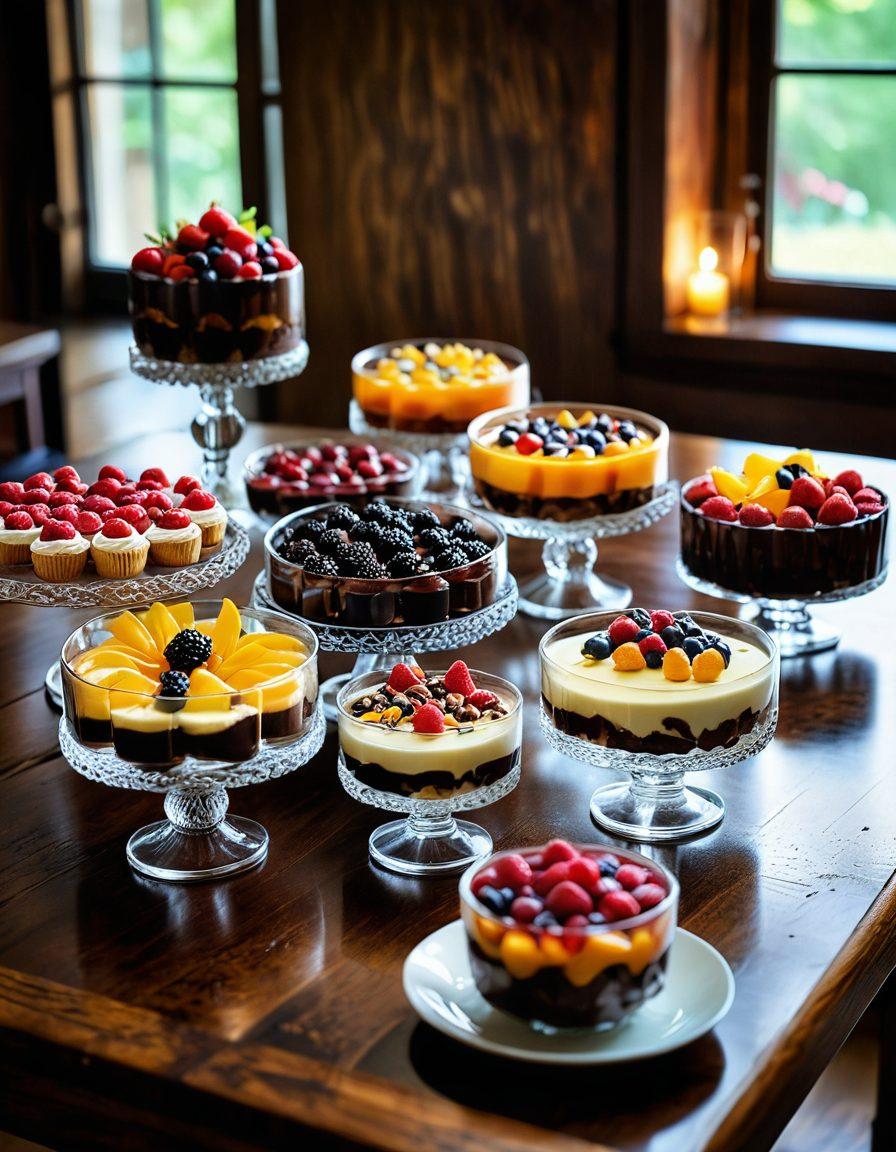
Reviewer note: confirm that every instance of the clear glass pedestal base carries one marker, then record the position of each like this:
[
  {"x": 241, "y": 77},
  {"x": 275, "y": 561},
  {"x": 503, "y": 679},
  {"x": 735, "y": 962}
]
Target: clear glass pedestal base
[{"x": 164, "y": 852}]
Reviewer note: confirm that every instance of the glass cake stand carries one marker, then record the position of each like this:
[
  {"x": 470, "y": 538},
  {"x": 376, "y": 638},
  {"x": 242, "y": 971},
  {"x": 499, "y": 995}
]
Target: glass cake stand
[
  {"x": 198, "y": 840},
  {"x": 218, "y": 425},
  {"x": 789, "y": 622},
  {"x": 21, "y": 586},
  {"x": 443, "y": 454},
  {"x": 381, "y": 648}
]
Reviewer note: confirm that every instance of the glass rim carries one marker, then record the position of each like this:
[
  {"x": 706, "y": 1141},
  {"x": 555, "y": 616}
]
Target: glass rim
[
  {"x": 353, "y": 685},
  {"x": 647, "y": 916},
  {"x": 658, "y": 428},
  {"x": 150, "y": 278},
  {"x": 383, "y": 349},
  {"x": 314, "y": 440},
  {"x": 694, "y": 510}
]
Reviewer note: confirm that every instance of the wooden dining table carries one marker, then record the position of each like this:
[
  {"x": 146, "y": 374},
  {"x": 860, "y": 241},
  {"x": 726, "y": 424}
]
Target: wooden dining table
[{"x": 267, "y": 1011}]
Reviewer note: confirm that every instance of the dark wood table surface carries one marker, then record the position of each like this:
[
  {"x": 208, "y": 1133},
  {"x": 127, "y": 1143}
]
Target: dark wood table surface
[{"x": 251, "y": 1013}]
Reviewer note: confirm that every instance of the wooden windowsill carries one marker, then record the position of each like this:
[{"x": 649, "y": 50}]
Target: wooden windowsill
[{"x": 786, "y": 328}]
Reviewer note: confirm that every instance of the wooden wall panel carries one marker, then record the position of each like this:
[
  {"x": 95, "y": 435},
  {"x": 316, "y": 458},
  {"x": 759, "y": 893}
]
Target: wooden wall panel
[{"x": 450, "y": 169}]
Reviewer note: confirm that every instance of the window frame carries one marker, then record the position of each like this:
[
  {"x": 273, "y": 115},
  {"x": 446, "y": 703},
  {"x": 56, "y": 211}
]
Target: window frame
[{"x": 792, "y": 293}]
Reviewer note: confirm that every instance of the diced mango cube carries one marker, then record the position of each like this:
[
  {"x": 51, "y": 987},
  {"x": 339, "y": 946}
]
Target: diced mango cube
[{"x": 520, "y": 955}]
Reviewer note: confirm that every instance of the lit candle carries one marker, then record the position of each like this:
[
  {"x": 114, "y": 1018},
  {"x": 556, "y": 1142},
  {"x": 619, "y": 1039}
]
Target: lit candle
[{"x": 708, "y": 289}]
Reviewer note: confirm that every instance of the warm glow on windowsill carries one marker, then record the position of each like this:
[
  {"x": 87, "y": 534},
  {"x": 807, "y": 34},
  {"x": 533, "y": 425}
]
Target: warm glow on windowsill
[{"x": 708, "y": 289}]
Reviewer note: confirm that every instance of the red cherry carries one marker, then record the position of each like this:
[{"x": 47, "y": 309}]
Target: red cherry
[
  {"x": 110, "y": 472},
  {"x": 228, "y": 264},
  {"x": 618, "y": 906},
  {"x": 187, "y": 484},
  {"x": 630, "y": 876},
  {"x": 513, "y": 871},
  {"x": 285, "y": 259},
  {"x": 486, "y": 876},
  {"x": 117, "y": 529},
  {"x": 556, "y": 850},
  {"x": 528, "y": 443},
  {"x": 569, "y": 899},
  {"x": 525, "y": 908},
  {"x": 192, "y": 238},
  {"x": 649, "y": 895},
  {"x": 57, "y": 530},
  {"x": 198, "y": 501},
  {"x": 150, "y": 260},
  {"x": 251, "y": 270},
  {"x": 237, "y": 239},
  {"x": 216, "y": 221}
]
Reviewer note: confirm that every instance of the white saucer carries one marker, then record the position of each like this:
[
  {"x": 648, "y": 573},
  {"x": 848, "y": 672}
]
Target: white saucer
[{"x": 698, "y": 992}]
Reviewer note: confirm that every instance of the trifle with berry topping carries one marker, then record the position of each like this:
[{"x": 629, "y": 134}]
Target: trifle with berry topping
[
  {"x": 569, "y": 936},
  {"x": 220, "y": 291}
]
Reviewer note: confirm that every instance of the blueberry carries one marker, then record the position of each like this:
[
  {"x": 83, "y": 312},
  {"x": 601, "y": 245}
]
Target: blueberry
[
  {"x": 264, "y": 248},
  {"x": 197, "y": 260},
  {"x": 596, "y": 918},
  {"x": 213, "y": 252},
  {"x": 269, "y": 265},
  {"x": 554, "y": 449},
  {"x": 597, "y": 441},
  {"x": 519, "y": 426},
  {"x": 508, "y": 437},
  {"x": 672, "y": 636},
  {"x": 542, "y": 920},
  {"x": 784, "y": 478},
  {"x": 492, "y": 898},
  {"x": 597, "y": 647},
  {"x": 692, "y": 629},
  {"x": 721, "y": 646},
  {"x": 627, "y": 430},
  {"x": 642, "y": 634},
  {"x": 798, "y": 470},
  {"x": 654, "y": 659},
  {"x": 509, "y": 895},
  {"x": 693, "y": 646},
  {"x": 607, "y": 867},
  {"x": 208, "y": 275},
  {"x": 605, "y": 423}
]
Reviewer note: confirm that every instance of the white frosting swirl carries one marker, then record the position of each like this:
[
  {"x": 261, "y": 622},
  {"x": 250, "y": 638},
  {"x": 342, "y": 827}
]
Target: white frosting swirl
[
  {"x": 128, "y": 543},
  {"x": 18, "y": 535},
  {"x": 205, "y": 517},
  {"x": 59, "y": 547},
  {"x": 158, "y": 535}
]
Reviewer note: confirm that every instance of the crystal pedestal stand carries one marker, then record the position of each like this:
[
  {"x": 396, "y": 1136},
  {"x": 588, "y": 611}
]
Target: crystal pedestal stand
[
  {"x": 384, "y": 647},
  {"x": 442, "y": 454},
  {"x": 198, "y": 840},
  {"x": 218, "y": 426}
]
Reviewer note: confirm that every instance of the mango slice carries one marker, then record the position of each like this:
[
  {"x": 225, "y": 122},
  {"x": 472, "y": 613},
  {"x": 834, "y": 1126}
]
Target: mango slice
[
  {"x": 275, "y": 640},
  {"x": 130, "y": 688},
  {"x": 775, "y": 501},
  {"x": 161, "y": 625},
  {"x": 207, "y": 693},
  {"x": 131, "y": 631},
  {"x": 226, "y": 629},
  {"x": 183, "y": 614},
  {"x": 766, "y": 484},
  {"x": 757, "y": 467},
  {"x": 804, "y": 457},
  {"x": 253, "y": 656},
  {"x": 729, "y": 485}
]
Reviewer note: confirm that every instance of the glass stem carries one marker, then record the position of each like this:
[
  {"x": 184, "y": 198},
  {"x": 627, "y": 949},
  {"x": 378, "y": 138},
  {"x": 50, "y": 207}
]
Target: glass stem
[
  {"x": 217, "y": 428},
  {"x": 569, "y": 561},
  {"x": 663, "y": 789},
  {"x": 432, "y": 826},
  {"x": 792, "y": 617},
  {"x": 196, "y": 811}
]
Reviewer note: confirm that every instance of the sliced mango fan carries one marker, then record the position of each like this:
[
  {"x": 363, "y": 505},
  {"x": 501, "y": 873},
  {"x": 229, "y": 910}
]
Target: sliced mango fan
[{"x": 757, "y": 483}]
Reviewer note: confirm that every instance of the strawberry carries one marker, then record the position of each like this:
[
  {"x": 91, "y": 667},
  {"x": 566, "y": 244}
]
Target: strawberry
[
  {"x": 719, "y": 508},
  {"x": 69, "y": 513},
  {"x": 18, "y": 521},
  {"x": 88, "y": 523},
  {"x": 837, "y": 509},
  {"x": 117, "y": 529},
  {"x": 192, "y": 238},
  {"x": 651, "y": 643},
  {"x": 98, "y": 504},
  {"x": 701, "y": 489},
  {"x": 172, "y": 260},
  {"x": 630, "y": 876},
  {"x": 251, "y": 270},
  {"x": 40, "y": 480},
  {"x": 216, "y": 221},
  {"x": 850, "y": 480},
  {"x": 110, "y": 472},
  {"x": 285, "y": 259},
  {"x": 513, "y": 871},
  {"x": 622, "y": 630},
  {"x": 619, "y": 905},
  {"x": 187, "y": 484},
  {"x": 157, "y": 500},
  {"x": 869, "y": 508},
  {"x": 557, "y": 852},
  {"x": 181, "y": 272},
  {"x": 429, "y": 719},
  {"x": 125, "y": 499},
  {"x": 108, "y": 488},
  {"x": 806, "y": 492},
  {"x": 661, "y": 619},
  {"x": 795, "y": 518},
  {"x": 482, "y": 699},
  {"x": 755, "y": 516},
  {"x": 57, "y": 530},
  {"x": 458, "y": 679},
  {"x": 403, "y": 676},
  {"x": 174, "y": 519},
  {"x": 198, "y": 501},
  {"x": 148, "y": 260},
  {"x": 74, "y": 486},
  {"x": 144, "y": 486},
  {"x": 866, "y": 496},
  {"x": 238, "y": 240},
  {"x": 156, "y": 474}
]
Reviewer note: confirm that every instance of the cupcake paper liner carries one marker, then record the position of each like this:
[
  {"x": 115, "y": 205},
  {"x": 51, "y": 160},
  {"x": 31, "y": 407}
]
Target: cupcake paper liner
[
  {"x": 59, "y": 567},
  {"x": 175, "y": 553},
  {"x": 120, "y": 565}
]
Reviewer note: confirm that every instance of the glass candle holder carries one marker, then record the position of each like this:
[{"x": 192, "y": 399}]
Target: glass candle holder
[{"x": 714, "y": 287}]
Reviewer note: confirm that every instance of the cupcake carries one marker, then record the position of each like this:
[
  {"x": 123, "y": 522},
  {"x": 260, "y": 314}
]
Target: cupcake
[
  {"x": 59, "y": 553},
  {"x": 183, "y": 487},
  {"x": 174, "y": 540},
  {"x": 205, "y": 511},
  {"x": 119, "y": 552},
  {"x": 17, "y": 533}
]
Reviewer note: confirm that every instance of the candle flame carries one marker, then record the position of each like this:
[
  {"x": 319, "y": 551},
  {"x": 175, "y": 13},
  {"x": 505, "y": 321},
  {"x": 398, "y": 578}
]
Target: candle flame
[{"x": 708, "y": 260}]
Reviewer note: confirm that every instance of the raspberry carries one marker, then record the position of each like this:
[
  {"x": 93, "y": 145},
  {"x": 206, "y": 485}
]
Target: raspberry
[
  {"x": 88, "y": 523},
  {"x": 755, "y": 516},
  {"x": 192, "y": 238},
  {"x": 584, "y": 870},
  {"x": 403, "y": 676},
  {"x": 556, "y": 851},
  {"x": 157, "y": 500},
  {"x": 57, "y": 499},
  {"x": 868, "y": 508},
  {"x": 12, "y": 491},
  {"x": 703, "y": 488},
  {"x": 74, "y": 486},
  {"x": 618, "y": 906},
  {"x": 651, "y": 643},
  {"x": 719, "y": 508},
  {"x": 631, "y": 875},
  {"x": 198, "y": 501},
  {"x": 458, "y": 679},
  {"x": 98, "y": 504},
  {"x": 148, "y": 486},
  {"x": 66, "y": 472},
  {"x": 35, "y": 496},
  {"x": 57, "y": 530},
  {"x": 110, "y": 472},
  {"x": 795, "y": 518},
  {"x": 555, "y": 874},
  {"x": 850, "y": 480},
  {"x": 649, "y": 895},
  {"x": 569, "y": 899},
  {"x": 149, "y": 260},
  {"x": 107, "y": 487},
  {"x": 68, "y": 512},
  {"x": 187, "y": 484},
  {"x": 622, "y": 630},
  {"x": 41, "y": 480},
  {"x": 6, "y": 507},
  {"x": 40, "y": 513},
  {"x": 837, "y": 509},
  {"x": 124, "y": 499},
  {"x": 216, "y": 221},
  {"x": 174, "y": 519},
  {"x": 117, "y": 529},
  {"x": 18, "y": 521},
  {"x": 513, "y": 871},
  {"x": 482, "y": 699},
  {"x": 429, "y": 719},
  {"x": 155, "y": 474},
  {"x": 866, "y": 496},
  {"x": 660, "y": 620}
]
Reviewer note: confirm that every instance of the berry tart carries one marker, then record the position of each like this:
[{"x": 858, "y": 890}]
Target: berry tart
[
  {"x": 284, "y": 478},
  {"x": 391, "y": 562},
  {"x": 118, "y": 550},
  {"x": 569, "y": 936},
  {"x": 567, "y": 462},
  {"x": 174, "y": 539},
  {"x": 222, "y": 290},
  {"x": 658, "y": 683},
  {"x": 783, "y": 528},
  {"x": 429, "y": 736},
  {"x": 59, "y": 553},
  {"x": 432, "y": 386},
  {"x": 163, "y": 684}
]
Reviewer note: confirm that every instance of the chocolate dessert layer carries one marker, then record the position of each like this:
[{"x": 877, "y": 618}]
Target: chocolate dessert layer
[
  {"x": 678, "y": 739},
  {"x": 562, "y": 508},
  {"x": 550, "y": 998},
  {"x": 286, "y": 722},
  {"x": 434, "y": 425},
  {"x": 149, "y": 748},
  {"x": 90, "y": 731},
  {"x": 222, "y": 321},
  {"x": 230, "y": 743},
  {"x": 377, "y": 777},
  {"x": 783, "y": 563},
  {"x": 281, "y": 501}
]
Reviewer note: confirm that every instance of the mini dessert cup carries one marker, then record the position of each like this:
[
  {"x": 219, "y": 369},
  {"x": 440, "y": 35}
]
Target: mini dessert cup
[
  {"x": 59, "y": 566},
  {"x": 429, "y": 777},
  {"x": 119, "y": 563},
  {"x": 175, "y": 549},
  {"x": 571, "y": 976}
]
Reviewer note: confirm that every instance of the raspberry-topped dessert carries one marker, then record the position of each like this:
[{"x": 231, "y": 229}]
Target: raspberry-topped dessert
[
  {"x": 390, "y": 562},
  {"x": 437, "y": 387},
  {"x": 429, "y": 736},
  {"x": 165, "y": 683},
  {"x": 569, "y": 936},
  {"x": 566, "y": 463},
  {"x": 657, "y": 682},
  {"x": 222, "y": 290},
  {"x": 784, "y": 528},
  {"x": 283, "y": 478}
]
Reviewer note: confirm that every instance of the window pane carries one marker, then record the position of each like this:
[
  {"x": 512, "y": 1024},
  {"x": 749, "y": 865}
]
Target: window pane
[
  {"x": 837, "y": 31},
  {"x": 123, "y": 187},
  {"x": 201, "y": 140},
  {"x": 116, "y": 38},
  {"x": 199, "y": 40},
  {"x": 834, "y": 212}
]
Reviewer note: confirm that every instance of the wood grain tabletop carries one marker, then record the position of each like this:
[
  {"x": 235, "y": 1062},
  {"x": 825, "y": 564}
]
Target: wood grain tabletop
[{"x": 252, "y": 1013}]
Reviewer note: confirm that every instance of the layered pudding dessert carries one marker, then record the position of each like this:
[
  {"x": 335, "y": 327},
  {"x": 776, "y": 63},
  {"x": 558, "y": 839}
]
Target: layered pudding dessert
[
  {"x": 429, "y": 736},
  {"x": 569, "y": 936},
  {"x": 389, "y": 562},
  {"x": 434, "y": 386},
  {"x": 172, "y": 681},
  {"x": 283, "y": 478},
  {"x": 784, "y": 528},
  {"x": 220, "y": 291},
  {"x": 658, "y": 683},
  {"x": 567, "y": 462}
]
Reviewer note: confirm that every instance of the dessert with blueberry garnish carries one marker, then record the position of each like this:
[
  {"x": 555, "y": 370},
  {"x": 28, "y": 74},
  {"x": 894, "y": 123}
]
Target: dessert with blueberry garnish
[
  {"x": 163, "y": 684},
  {"x": 434, "y": 387},
  {"x": 283, "y": 478},
  {"x": 565, "y": 463},
  {"x": 222, "y": 290},
  {"x": 569, "y": 936},
  {"x": 784, "y": 528},
  {"x": 657, "y": 682},
  {"x": 390, "y": 562},
  {"x": 430, "y": 736}
]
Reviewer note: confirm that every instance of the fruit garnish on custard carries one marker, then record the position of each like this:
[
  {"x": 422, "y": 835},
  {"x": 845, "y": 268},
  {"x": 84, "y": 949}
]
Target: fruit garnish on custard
[
  {"x": 670, "y": 641},
  {"x": 567, "y": 437}
]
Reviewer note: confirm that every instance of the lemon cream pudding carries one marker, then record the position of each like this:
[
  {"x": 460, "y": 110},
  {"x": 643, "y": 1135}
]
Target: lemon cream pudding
[
  {"x": 429, "y": 737},
  {"x": 657, "y": 683}
]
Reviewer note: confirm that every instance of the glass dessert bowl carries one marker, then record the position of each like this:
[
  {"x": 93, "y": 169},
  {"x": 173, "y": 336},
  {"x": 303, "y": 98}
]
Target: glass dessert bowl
[
  {"x": 658, "y": 694},
  {"x": 569, "y": 474},
  {"x": 190, "y": 699},
  {"x": 429, "y": 744},
  {"x": 569, "y": 936}
]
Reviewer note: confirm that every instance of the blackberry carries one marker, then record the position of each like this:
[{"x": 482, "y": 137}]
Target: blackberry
[
  {"x": 448, "y": 559},
  {"x": 297, "y": 551},
  {"x": 187, "y": 650},
  {"x": 424, "y": 518},
  {"x": 370, "y": 569},
  {"x": 392, "y": 541},
  {"x": 402, "y": 520},
  {"x": 342, "y": 553},
  {"x": 364, "y": 530},
  {"x": 463, "y": 530},
  {"x": 378, "y": 512},
  {"x": 317, "y": 565},
  {"x": 174, "y": 684},
  {"x": 312, "y": 530},
  {"x": 354, "y": 558},
  {"x": 342, "y": 517},
  {"x": 404, "y": 564},
  {"x": 435, "y": 539},
  {"x": 475, "y": 549},
  {"x": 330, "y": 541}
]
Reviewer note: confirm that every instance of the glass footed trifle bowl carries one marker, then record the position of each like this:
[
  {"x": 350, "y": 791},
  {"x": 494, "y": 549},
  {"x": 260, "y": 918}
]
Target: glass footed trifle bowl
[
  {"x": 191, "y": 699},
  {"x": 416, "y": 743},
  {"x": 569, "y": 936},
  {"x": 705, "y": 697}
]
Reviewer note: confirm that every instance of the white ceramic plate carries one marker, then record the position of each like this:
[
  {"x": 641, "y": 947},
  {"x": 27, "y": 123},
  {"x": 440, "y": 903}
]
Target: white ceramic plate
[{"x": 698, "y": 992}]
